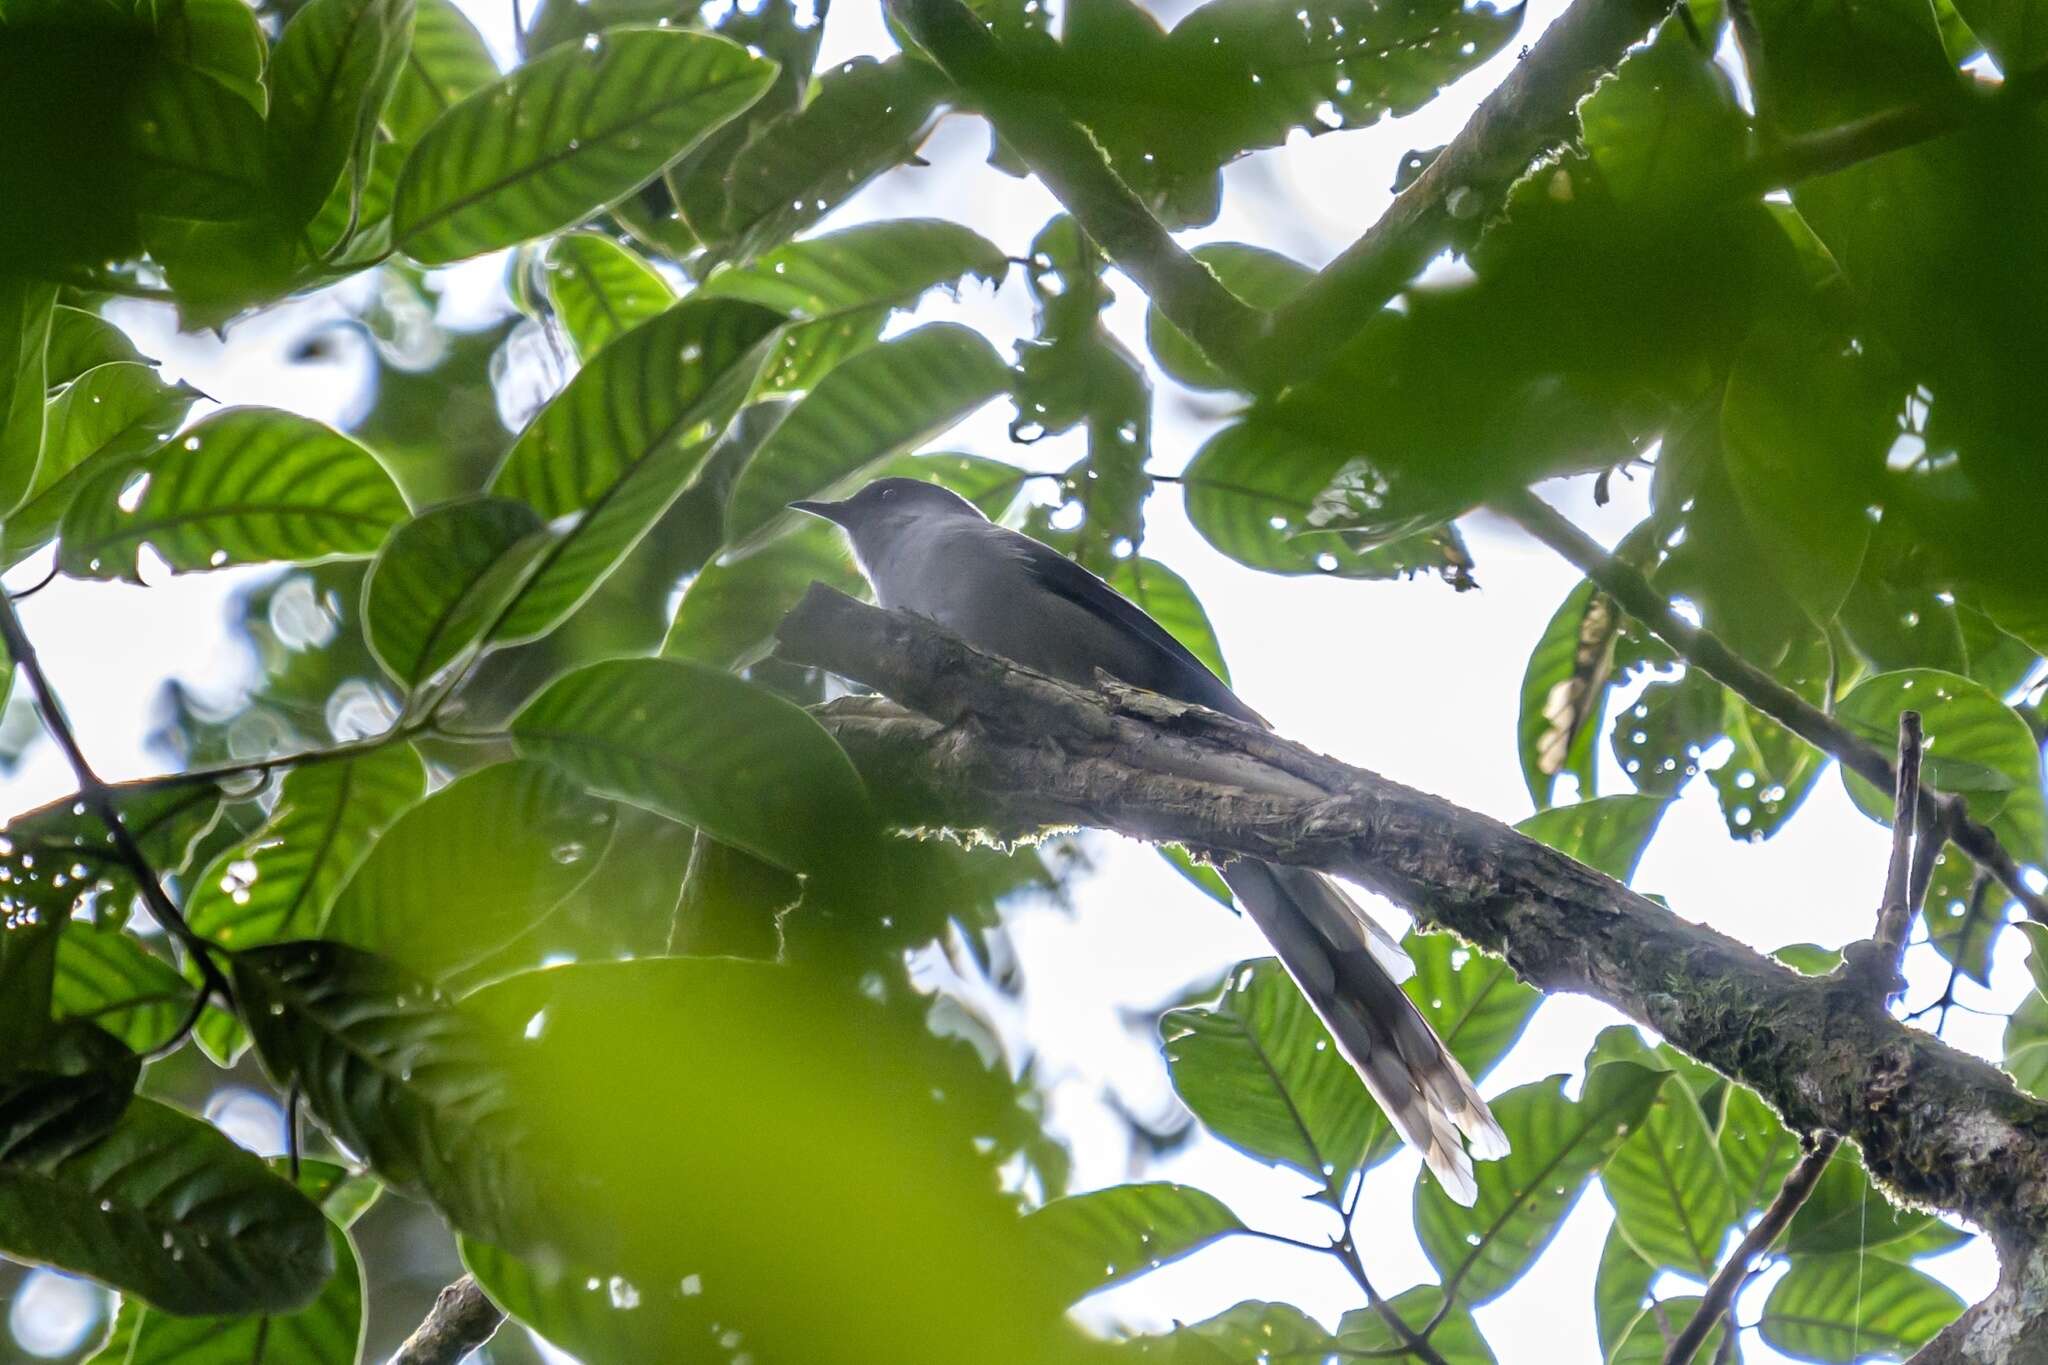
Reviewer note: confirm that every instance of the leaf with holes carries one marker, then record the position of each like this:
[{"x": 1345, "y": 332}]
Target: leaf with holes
[
  {"x": 620, "y": 444},
  {"x": 564, "y": 135},
  {"x": 106, "y": 976},
  {"x": 438, "y": 580},
  {"x": 1672, "y": 1196},
  {"x": 1112, "y": 1234},
  {"x": 1768, "y": 776},
  {"x": 330, "y": 73},
  {"x": 1844, "y": 1305},
  {"x": 1607, "y": 833},
  {"x": 705, "y": 748},
  {"x": 245, "y": 486},
  {"x": 601, "y": 289},
  {"x": 447, "y": 62},
  {"x": 885, "y": 401},
  {"x": 397, "y": 1074},
  {"x": 1260, "y": 1071},
  {"x": 1523, "y": 1197},
  {"x": 465, "y": 871},
  {"x": 167, "y": 1208}
]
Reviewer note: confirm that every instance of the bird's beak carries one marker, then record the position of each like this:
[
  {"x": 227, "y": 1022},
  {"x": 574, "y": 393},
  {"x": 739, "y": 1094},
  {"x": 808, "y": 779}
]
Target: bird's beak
[{"x": 830, "y": 511}]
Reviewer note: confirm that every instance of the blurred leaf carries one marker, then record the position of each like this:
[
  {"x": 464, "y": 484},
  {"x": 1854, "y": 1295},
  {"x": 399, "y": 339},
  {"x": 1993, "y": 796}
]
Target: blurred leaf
[
  {"x": 1975, "y": 744},
  {"x": 1900, "y": 626},
  {"x": 25, "y": 307},
  {"x": 470, "y": 868},
  {"x": 884, "y": 401},
  {"x": 601, "y": 289},
  {"x": 1649, "y": 1338},
  {"x": 1607, "y": 833},
  {"x": 1165, "y": 596},
  {"x": 2037, "y": 953},
  {"x": 705, "y": 748},
  {"x": 1523, "y": 1197},
  {"x": 198, "y": 146},
  {"x": 1620, "y": 1286},
  {"x": 81, "y": 340},
  {"x": 729, "y": 611},
  {"x": 1768, "y": 776},
  {"x": 1668, "y": 115},
  {"x": 620, "y": 444},
  {"x": 890, "y": 262},
  {"x": 447, "y": 62},
  {"x": 594, "y": 1317},
  {"x": 1250, "y": 1331},
  {"x": 1671, "y": 1194},
  {"x": 279, "y": 883},
  {"x": 1836, "y": 1307},
  {"x": 106, "y": 976},
  {"x": 1564, "y": 692},
  {"x": 1456, "y": 1338},
  {"x": 61, "y": 1094},
  {"x": 1262, "y": 278},
  {"x": 1112, "y": 1234},
  {"x": 1659, "y": 739},
  {"x": 859, "y": 121},
  {"x": 245, "y": 486},
  {"x": 1259, "y": 1070},
  {"x": 440, "y": 578},
  {"x": 166, "y": 1208},
  {"x": 397, "y": 1074},
  {"x": 2014, "y": 32},
  {"x": 563, "y": 135},
  {"x": 330, "y": 73},
  {"x": 2026, "y": 1044}
]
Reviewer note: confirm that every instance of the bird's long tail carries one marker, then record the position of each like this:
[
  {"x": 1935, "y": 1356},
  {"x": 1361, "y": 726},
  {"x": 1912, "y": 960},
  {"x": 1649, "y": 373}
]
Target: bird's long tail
[{"x": 1345, "y": 965}]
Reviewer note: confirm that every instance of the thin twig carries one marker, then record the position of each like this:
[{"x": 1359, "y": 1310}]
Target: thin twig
[
  {"x": 1417, "y": 1345},
  {"x": 461, "y": 1320},
  {"x": 1894, "y": 917},
  {"x": 98, "y": 797},
  {"x": 1705, "y": 651}
]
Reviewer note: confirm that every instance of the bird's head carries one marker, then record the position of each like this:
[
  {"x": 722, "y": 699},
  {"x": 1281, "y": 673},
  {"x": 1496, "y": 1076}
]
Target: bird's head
[{"x": 885, "y": 511}]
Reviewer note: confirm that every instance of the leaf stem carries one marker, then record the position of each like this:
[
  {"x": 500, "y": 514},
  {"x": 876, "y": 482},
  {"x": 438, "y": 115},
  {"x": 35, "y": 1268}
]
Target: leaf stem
[{"x": 1346, "y": 1251}]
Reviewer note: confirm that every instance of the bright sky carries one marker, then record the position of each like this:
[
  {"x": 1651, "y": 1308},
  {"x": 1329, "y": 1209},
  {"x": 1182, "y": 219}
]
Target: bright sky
[{"x": 1409, "y": 679}]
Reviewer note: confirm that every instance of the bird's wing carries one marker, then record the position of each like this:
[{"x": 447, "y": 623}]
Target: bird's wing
[{"x": 1064, "y": 578}]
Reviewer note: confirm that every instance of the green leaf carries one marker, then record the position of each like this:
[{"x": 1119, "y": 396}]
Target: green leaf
[
  {"x": 279, "y": 882},
  {"x": 62, "y": 1093},
  {"x": 110, "y": 415},
  {"x": 1767, "y": 777},
  {"x": 1201, "y": 876},
  {"x": 1112, "y": 1234},
  {"x": 1620, "y": 1286},
  {"x": 1659, "y": 740},
  {"x": 25, "y": 310},
  {"x": 705, "y": 748},
  {"x": 81, "y": 340},
  {"x": 1250, "y": 1331},
  {"x": 2014, "y": 32},
  {"x": 464, "y": 872},
  {"x": 564, "y": 135},
  {"x": 1260, "y": 1071},
  {"x": 198, "y": 146},
  {"x": 621, "y": 443},
  {"x": 1564, "y": 692},
  {"x": 1843, "y": 1306},
  {"x": 2026, "y": 1044},
  {"x": 447, "y": 62},
  {"x": 1166, "y": 597},
  {"x": 1456, "y": 1337},
  {"x": 1974, "y": 743},
  {"x": 1607, "y": 833},
  {"x": 330, "y": 73},
  {"x": 859, "y": 121},
  {"x": 1757, "y": 1149},
  {"x": 860, "y": 267},
  {"x": 245, "y": 486},
  {"x": 1558, "y": 1144},
  {"x": 1671, "y": 1194},
  {"x": 729, "y": 611},
  {"x": 580, "y": 1312},
  {"x": 601, "y": 289},
  {"x": 166, "y": 1208},
  {"x": 884, "y": 401},
  {"x": 397, "y": 1074},
  {"x": 440, "y": 578},
  {"x": 1262, "y": 278},
  {"x": 1650, "y": 1335},
  {"x": 1844, "y": 1214},
  {"x": 2037, "y": 953},
  {"x": 106, "y": 976}
]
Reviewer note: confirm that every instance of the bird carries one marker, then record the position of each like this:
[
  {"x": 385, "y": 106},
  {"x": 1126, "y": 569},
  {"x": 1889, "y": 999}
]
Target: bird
[{"x": 926, "y": 550}]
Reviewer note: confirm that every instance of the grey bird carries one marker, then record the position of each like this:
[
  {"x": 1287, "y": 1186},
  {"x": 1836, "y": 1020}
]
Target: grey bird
[{"x": 929, "y": 551}]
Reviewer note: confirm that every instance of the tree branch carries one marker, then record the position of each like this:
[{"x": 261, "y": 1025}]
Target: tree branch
[
  {"x": 1067, "y": 159},
  {"x": 1705, "y": 651},
  {"x": 1012, "y": 754},
  {"x": 461, "y": 1320}
]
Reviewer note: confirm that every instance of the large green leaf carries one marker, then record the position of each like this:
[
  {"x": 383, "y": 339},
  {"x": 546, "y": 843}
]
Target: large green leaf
[
  {"x": 621, "y": 443},
  {"x": 61, "y": 1091},
  {"x": 398, "y": 1075},
  {"x": 1260, "y": 1071},
  {"x": 279, "y": 882},
  {"x": 1671, "y": 1193},
  {"x": 440, "y": 578},
  {"x": 245, "y": 486},
  {"x": 198, "y": 146},
  {"x": 474, "y": 865},
  {"x": 884, "y": 401},
  {"x": 705, "y": 748},
  {"x": 1844, "y": 1214},
  {"x": 564, "y": 135},
  {"x": 1757, "y": 1149},
  {"x": 106, "y": 976},
  {"x": 1262, "y": 278},
  {"x": 447, "y": 62},
  {"x": 166, "y": 1208},
  {"x": 81, "y": 340},
  {"x": 1975, "y": 745},
  {"x": 1365, "y": 1333},
  {"x": 25, "y": 306},
  {"x": 858, "y": 267},
  {"x": 730, "y": 609},
  {"x": 1523, "y": 1197},
  {"x": 1606, "y": 833},
  {"x": 1844, "y": 1306},
  {"x": 330, "y": 73},
  {"x": 1167, "y": 599},
  {"x": 601, "y": 290},
  {"x": 1620, "y": 1285},
  {"x": 1112, "y": 1234},
  {"x": 594, "y": 1317}
]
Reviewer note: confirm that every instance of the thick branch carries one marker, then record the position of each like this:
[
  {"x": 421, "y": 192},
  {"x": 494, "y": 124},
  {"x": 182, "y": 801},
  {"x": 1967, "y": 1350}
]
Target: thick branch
[
  {"x": 1067, "y": 159},
  {"x": 1705, "y": 651},
  {"x": 1013, "y": 754},
  {"x": 461, "y": 1320}
]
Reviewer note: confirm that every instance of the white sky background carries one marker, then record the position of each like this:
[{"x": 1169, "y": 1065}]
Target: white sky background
[{"x": 1408, "y": 679}]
